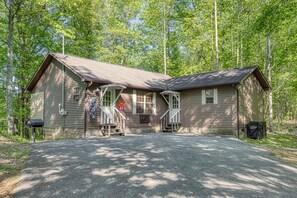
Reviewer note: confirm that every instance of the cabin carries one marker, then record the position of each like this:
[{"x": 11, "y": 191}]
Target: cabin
[{"x": 79, "y": 97}]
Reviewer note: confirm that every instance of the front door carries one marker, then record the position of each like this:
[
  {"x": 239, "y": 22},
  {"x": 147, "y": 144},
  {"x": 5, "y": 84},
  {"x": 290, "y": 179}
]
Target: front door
[
  {"x": 174, "y": 107},
  {"x": 107, "y": 105}
]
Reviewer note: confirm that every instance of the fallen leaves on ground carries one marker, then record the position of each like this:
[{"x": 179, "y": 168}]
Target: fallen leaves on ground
[{"x": 13, "y": 156}]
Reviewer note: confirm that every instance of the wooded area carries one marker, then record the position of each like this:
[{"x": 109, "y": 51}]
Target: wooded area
[{"x": 178, "y": 37}]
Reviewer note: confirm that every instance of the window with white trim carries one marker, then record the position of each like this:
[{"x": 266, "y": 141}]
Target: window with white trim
[
  {"x": 175, "y": 102},
  {"x": 210, "y": 96},
  {"x": 144, "y": 102},
  {"x": 106, "y": 100}
]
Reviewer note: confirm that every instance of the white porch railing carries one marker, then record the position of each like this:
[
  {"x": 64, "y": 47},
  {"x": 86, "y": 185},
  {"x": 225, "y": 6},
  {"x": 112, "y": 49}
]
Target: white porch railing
[
  {"x": 175, "y": 120},
  {"x": 170, "y": 122},
  {"x": 106, "y": 121},
  {"x": 164, "y": 120},
  {"x": 120, "y": 121}
]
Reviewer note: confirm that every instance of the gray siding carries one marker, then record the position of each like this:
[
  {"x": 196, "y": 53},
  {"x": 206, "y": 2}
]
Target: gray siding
[
  {"x": 208, "y": 118},
  {"x": 51, "y": 84},
  {"x": 132, "y": 122},
  {"x": 251, "y": 101},
  {"x": 37, "y": 105}
]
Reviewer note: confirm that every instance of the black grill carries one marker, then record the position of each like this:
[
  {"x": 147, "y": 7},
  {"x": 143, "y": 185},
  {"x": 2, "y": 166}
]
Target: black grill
[{"x": 35, "y": 123}]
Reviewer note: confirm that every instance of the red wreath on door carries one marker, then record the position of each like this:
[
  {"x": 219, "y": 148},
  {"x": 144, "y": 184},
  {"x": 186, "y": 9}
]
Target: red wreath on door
[{"x": 121, "y": 105}]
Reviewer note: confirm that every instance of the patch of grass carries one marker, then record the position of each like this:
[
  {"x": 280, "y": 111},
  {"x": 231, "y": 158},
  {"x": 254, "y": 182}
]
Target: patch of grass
[
  {"x": 7, "y": 169},
  {"x": 15, "y": 138},
  {"x": 276, "y": 140}
]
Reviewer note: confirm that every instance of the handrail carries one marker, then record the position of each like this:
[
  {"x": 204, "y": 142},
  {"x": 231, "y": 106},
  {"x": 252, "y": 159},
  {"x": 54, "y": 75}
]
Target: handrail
[
  {"x": 106, "y": 121},
  {"x": 120, "y": 113},
  {"x": 164, "y": 114},
  {"x": 175, "y": 114},
  {"x": 168, "y": 120},
  {"x": 105, "y": 112}
]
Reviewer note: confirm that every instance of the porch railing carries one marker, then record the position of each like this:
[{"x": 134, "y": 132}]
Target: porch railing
[
  {"x": 175, "y": 121},
  {"x": 120, "y": 121},
  {"x": 106, "y": 122},
  {"x": 170, "y": 123},
  {"x": 164, "y": 120}
]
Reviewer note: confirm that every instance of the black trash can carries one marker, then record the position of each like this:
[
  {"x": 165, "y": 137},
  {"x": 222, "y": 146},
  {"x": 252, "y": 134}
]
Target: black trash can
[{"x": 256, "y": 130}]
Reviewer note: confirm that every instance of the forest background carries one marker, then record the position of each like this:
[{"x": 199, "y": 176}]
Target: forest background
[{"x": 179, "y": 35}]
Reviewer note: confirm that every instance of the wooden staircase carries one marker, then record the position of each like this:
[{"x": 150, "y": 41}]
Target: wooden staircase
[
  {"x": 108, "y": 128},
  {"x": 170, "y": 128},
  {"x": 170, "y": 124}
]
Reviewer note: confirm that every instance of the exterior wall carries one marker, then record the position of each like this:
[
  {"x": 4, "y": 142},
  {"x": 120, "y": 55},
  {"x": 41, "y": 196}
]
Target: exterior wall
[
  {"x": 50, "y": 83},
  {"x": 209, "y": 118},
  {"x": 133, "y": 124},
  {"x": 37, "y": 105},
  {"x": 251, "y": 102}
]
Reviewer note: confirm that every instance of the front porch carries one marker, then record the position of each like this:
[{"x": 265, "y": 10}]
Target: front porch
[
  {"x": 170, "y": 120},
  {"x": 111, "y": 118}
]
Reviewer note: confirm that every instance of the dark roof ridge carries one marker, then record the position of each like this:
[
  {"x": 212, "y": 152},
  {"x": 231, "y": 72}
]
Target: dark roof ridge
[{"x": 216, "y": 78}]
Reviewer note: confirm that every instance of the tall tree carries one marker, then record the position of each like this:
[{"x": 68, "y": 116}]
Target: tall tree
[
  {"x": 13, "y": 7},
  {"x": 217, "y": 64}
]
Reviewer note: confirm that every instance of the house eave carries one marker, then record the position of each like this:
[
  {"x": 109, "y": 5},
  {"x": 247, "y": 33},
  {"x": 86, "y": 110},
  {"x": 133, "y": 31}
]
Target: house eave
[{"x": 207, "y": 86}]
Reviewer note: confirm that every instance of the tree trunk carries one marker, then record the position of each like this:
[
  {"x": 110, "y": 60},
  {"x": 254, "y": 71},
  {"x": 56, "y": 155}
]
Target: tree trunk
[
  {"x": 164, "y": 39},
  {"x": 9, "y": 80},
  {"x": 270, "y": 108},
  {"x": 216, "y": 35}
]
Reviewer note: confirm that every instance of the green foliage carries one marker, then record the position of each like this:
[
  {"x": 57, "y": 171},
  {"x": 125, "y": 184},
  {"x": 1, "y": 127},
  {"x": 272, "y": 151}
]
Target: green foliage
[{"x": 15, "y": 138}]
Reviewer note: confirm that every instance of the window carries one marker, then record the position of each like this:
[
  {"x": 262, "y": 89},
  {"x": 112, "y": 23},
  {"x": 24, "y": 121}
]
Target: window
[
  {"x": 106, "y": 101},
  {"x": 143, "y": 102},
  {"x": 210, "y": 96},
  {"x": 76, "y": 93},
  {"x": 175, "y": 103}
]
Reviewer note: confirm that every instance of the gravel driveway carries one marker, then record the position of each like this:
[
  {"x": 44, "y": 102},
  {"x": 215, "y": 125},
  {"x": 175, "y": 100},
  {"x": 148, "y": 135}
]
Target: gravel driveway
[{"x": 154, "y": 165}]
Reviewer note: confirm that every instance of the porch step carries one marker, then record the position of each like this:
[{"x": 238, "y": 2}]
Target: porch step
[
  {"x": 106, "y": 125},
  {"x": 113, "y": 130},
  {"x": 168, "y": 128}
]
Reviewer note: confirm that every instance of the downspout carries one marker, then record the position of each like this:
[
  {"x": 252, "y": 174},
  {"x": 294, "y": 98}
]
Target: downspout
[
  {"x": 63, "y": 88},
  {"x": 85, "y": 124},
  {"x": 62, "y": 109},
  {"x": 63, "y": 80},
  {"x": 237, "y": 108}
]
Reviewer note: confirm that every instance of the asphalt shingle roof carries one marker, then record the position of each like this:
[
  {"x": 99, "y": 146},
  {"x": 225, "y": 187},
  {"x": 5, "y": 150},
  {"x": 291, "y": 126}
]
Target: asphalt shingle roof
[
  {"x": 99, "y": 72},
  {"x": 210, "y": 79},
  {"x": 105, "y": 73}
]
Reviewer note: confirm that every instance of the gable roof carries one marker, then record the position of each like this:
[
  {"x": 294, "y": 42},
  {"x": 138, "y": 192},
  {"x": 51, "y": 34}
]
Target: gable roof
[
  {"x": 216, "y": 78},
  {"x": 103, "y": 73}
]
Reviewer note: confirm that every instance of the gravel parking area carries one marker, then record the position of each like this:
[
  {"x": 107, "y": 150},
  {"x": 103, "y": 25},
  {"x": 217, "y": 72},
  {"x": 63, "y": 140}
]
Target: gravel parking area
[{"x": 154, "y": 165}]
